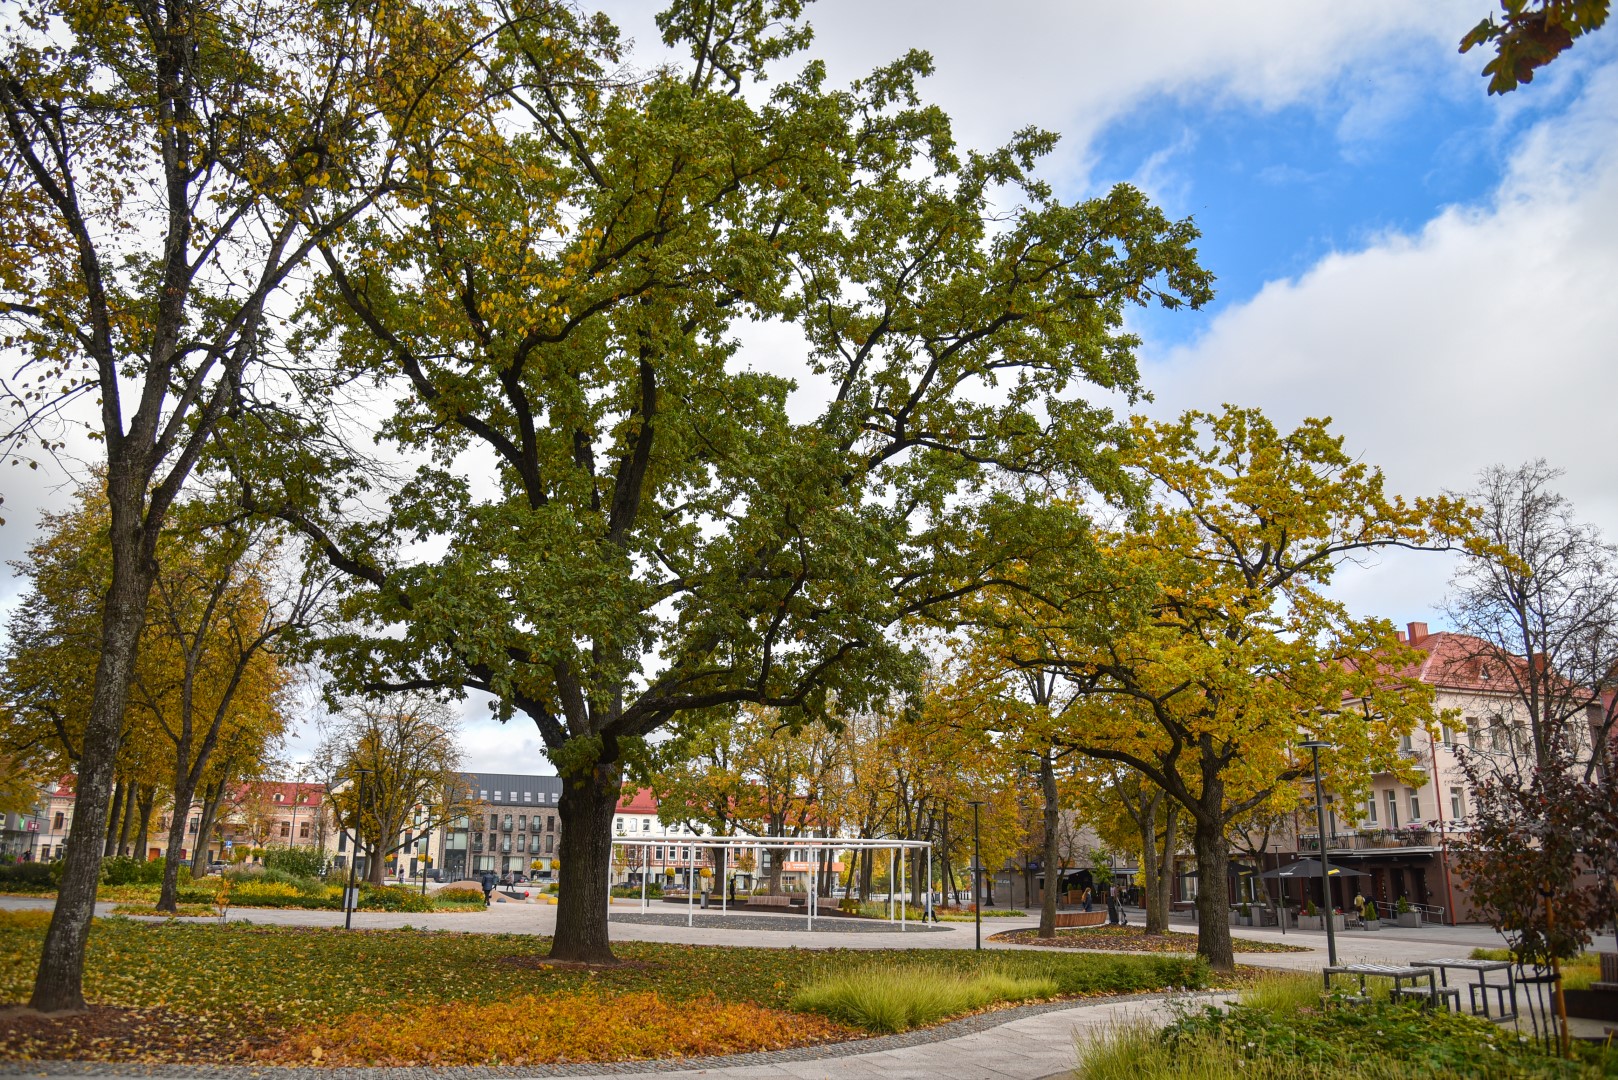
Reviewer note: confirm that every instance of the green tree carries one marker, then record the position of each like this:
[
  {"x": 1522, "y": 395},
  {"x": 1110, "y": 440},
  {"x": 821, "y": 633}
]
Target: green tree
[
  {"x": 1200, "y": 639},
  {"x": 207, "y": 662},
  {"x": 639, "y": 519},
  {"x": 164, "y": 168}
]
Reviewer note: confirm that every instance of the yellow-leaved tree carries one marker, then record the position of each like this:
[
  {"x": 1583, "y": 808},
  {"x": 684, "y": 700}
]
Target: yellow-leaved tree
[{"x": 1200, "y": 641}]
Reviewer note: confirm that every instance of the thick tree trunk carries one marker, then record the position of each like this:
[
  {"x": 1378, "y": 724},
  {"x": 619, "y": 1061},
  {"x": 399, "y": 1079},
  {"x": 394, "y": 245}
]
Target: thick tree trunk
[
  {"x": 586, "y": 810},
  {"x": 210, "y": 813},
  {"x": 128, "y": 816},
  {"x": 1213, "y": 890},
  {"x": 1053, "y": 826},
  {"x": 114, "y": 813},
  {"x": 867, "y": 871},
  {"x": 168, "y": 896},
  {"x": 148, "y": 800},
  {"x": 59, "y": 983},
  {"x": 1147, "y": 824},
  {"x": 1160, "y": 866}
]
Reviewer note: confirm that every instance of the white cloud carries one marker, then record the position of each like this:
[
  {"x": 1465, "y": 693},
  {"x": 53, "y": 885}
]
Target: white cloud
[
  {"x": 1487, "y": 336},
  {"x": 1074, "y": 67}
]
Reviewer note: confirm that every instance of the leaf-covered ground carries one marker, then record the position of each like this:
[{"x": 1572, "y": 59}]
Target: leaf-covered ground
[
  {"x": 210, "y": 993},
  {"x": 1134, "y": 939}
]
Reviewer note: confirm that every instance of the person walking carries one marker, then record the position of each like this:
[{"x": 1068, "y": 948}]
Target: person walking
[
  {"x": 1086, "y": 899},
  {"x": 1112, "y": 905},
  {"x": 488, "y": 881}
]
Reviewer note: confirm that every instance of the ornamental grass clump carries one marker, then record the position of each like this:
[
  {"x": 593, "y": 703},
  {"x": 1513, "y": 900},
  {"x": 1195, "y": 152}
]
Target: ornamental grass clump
[{"x": 890, "y": 999}]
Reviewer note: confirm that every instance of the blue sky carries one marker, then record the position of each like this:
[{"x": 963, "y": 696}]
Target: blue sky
[{"x": 1276, "y": 189}]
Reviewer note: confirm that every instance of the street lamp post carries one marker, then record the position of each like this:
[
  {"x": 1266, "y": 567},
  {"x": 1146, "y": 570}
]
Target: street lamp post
[
  {"x": 1314, "y": 746},
  {"x": 977, "y": 871}
]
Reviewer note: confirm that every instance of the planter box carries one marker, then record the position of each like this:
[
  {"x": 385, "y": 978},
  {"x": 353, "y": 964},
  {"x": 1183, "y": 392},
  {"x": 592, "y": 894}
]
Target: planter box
[
  {"x": 1592, "y": 1004},
  {"x": 1080, "y": 918},
  {"x": 1408, "y": 918},
  {"x": 1373, "y": 924},
  {"x": 1317, "y": 922}
]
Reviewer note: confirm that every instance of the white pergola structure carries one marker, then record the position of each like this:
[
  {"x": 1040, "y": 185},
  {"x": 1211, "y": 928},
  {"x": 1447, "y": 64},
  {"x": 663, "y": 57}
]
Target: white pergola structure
[{"x": 897, "y": 865}]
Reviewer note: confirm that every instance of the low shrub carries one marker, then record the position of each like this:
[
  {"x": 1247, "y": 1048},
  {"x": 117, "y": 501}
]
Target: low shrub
[
  {"x": 30, "y": 877},
  {"x": 456, "y": 898},
  {"x": 899, "y": 998},
  {"x": 394, "y": 898},
  {"x": 653, "y": 891},
  {"x": 1280, "y": 1030},
  {"x": 299, "y": 862},
  {"x": 127, "y": 870}
]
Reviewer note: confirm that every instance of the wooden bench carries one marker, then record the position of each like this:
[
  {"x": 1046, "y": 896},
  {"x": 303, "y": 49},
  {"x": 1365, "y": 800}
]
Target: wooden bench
[{"x": 769, "y": 901}]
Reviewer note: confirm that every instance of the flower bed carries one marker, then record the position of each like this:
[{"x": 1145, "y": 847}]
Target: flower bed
[{"x": 1133, "y": 939}]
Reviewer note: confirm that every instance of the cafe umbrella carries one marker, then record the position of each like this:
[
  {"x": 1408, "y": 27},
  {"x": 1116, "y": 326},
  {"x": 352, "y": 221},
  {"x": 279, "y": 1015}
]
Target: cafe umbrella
[{"x": 1310, "y": 868}]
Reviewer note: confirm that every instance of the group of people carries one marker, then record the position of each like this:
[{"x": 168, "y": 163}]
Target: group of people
[{"x": 1115, "y": 904}]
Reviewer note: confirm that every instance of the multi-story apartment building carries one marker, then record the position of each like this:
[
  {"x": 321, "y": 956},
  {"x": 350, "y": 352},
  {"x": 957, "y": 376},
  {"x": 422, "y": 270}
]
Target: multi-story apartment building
[
  {"x": 256, "y": 815},
  {"x": 1400, "y": 836},
  {"x": 511, "y": 826}
]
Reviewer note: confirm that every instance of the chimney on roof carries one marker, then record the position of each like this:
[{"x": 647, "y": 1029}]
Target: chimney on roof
[
  {"x": 1418, "y": 630},
  {"x": 1400, "y": 634}
]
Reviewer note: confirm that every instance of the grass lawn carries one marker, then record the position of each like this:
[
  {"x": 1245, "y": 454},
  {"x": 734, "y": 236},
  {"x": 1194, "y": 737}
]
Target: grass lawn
[
  {"x": 1134, "y": 939},
  {"x": 282, "y": 995}
]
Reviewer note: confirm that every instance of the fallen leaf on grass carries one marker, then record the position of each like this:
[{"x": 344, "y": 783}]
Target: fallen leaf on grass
[{"x": 532, "y": 1030}]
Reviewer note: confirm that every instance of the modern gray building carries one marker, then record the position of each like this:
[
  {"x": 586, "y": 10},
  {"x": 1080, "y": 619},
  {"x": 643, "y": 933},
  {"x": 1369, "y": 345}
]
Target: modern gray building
[{"x": 512, "y": 826}]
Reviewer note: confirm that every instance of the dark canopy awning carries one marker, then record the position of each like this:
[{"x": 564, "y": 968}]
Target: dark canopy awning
[{"x": 1309, "y": 868}]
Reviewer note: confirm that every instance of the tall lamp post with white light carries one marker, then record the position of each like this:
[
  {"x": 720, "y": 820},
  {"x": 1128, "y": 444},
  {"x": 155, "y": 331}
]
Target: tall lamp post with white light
[{"x": 1314, "y": 746}]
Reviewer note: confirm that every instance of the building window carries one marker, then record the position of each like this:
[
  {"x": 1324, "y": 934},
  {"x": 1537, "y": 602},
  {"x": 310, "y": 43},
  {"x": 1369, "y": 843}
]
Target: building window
[
  {"x": 522, "y": 822},
  {"x": 550, "y": 844},
  {"x": 1370, "y": 809},
  {"x": 1497, "y": 734},
  {"x": 192, "y": 826},
  {"x": 58, "y": 825},
  {"x": 1415, "y": 804},
  {"x": 1447, "y": 733},
  {"x": 483, "y": 796},
  {"x": 528, "y": 796},
  {"x": 342, "y": 840},
  {"x": 303, "y": 830},
  {"x": 618, "y": 824},
  {"x": 1474, "y": 733},
  {"x": 550, "y": 822},
  {"x": 1393, "y": 808},
  {"x": 1457, "y": 803},
  {"x": 645, "y": 824},
  {"x": 1405, "y": 744},
  {"x": 657, "y": 853},
  {"x": 277, "y": 796},
  {"x": 631, "y": 824},
  {"x": 286, "y": 828}
]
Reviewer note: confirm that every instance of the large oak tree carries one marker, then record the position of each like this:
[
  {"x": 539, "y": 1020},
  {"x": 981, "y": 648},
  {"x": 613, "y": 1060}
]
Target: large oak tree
[{"x": 639, "y": 502}]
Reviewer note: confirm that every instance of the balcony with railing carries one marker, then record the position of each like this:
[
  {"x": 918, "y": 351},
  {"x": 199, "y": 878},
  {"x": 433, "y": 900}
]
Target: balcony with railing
[
  {"x": 505, "y": 823},
  {"x": 505, "y": 845},
  {"x": 1415, "y": 835}
]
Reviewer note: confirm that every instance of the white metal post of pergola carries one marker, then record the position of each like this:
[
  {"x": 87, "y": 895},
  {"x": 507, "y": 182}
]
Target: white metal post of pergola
[{"x": 897, "y": 865}]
